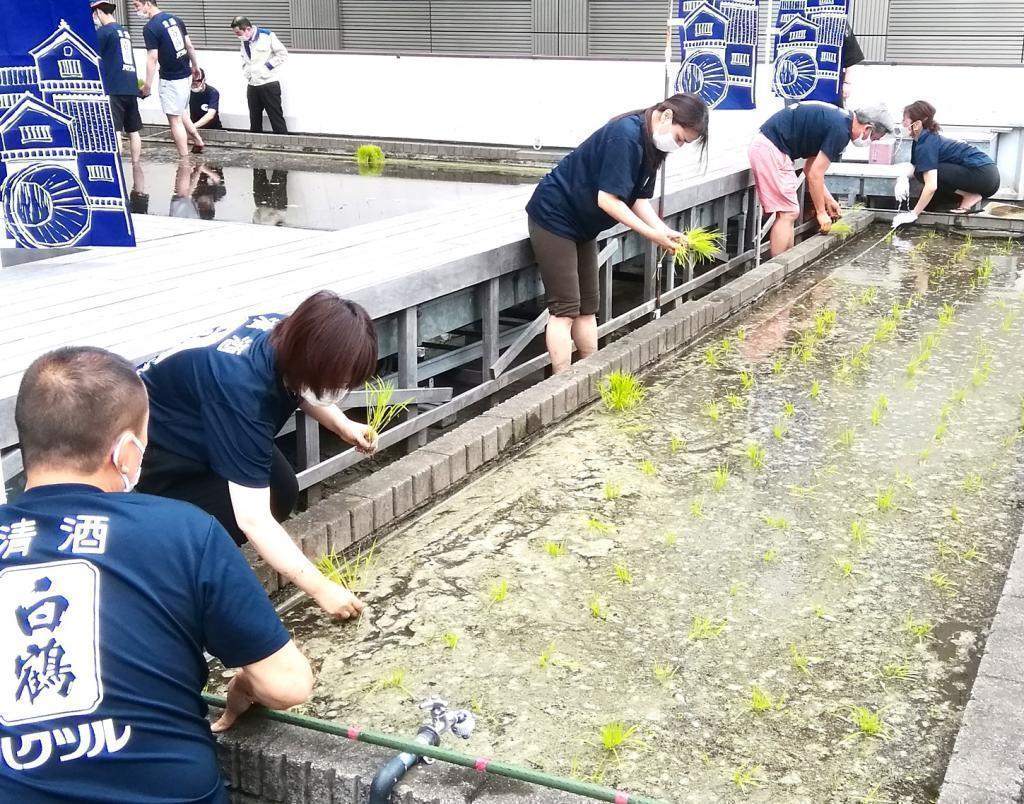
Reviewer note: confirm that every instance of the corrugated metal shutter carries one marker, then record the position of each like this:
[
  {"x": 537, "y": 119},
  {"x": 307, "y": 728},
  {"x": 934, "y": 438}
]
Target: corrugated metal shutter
[
  {"x": 956, "y": 31},
  {"x": 191, "y": 11},
  {"x": 482, "y": 26},
  {"x": 315, "y": 25},
  {"x": 393, "y": 26},
  {"x": 870, "y": 20},
  {"x": 272, "y": 14},
  {"x": 560, "y": 27},
  {"x": 628, "y": 29}
]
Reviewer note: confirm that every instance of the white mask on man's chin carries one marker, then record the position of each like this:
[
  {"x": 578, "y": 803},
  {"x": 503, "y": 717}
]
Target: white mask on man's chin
[
  {"x": 863, "y": 141},
  {"x": 128, "y": 482}
]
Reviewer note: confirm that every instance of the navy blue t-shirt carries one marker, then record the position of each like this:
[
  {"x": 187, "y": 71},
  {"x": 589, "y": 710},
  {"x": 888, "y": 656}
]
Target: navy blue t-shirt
[
  {"x": 107, "y": 602},
  {"x": 804, "y": 129},
  {"x": 166, "y": 33},
  {"x": 610, "y": 159},
  {"x": 117, "y": 62},
  {"x": 199, "y": 103},
  {"x": 930, "y": 149},
  {"x": 219, "y": 400}
]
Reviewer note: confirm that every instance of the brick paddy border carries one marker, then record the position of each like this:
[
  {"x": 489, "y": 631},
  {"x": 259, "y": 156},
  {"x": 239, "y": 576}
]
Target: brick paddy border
[{"x": 272, "y": 762}]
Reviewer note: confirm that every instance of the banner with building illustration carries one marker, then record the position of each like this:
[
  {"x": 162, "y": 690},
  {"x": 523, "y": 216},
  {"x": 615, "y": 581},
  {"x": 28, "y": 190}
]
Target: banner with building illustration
[
  {"x": 61, "y": 182},
  {"x": 718, "y": 47},
  {"x": 807, "y": 55}
]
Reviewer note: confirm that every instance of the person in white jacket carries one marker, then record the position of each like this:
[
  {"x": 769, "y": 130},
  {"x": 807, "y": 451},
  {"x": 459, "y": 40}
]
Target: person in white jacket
[{"x": 262, "y": 57}]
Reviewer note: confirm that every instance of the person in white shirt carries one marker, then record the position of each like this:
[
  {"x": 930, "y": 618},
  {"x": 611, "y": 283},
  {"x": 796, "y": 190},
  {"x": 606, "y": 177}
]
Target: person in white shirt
[{"x": 262, "y": 56}]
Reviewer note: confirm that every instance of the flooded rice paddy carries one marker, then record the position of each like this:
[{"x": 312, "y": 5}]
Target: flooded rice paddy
[{"x": 779, "y": 568}]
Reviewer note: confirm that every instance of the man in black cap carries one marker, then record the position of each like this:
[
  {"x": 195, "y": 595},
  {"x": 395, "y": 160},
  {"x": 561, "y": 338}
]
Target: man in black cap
[{"x": 117, "y": 66}]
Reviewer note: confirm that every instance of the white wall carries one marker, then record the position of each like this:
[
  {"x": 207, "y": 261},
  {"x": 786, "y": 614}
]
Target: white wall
[{"x": 552, "y": 102}]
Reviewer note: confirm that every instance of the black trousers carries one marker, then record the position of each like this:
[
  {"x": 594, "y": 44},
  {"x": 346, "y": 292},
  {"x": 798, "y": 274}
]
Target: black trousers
[
  {"x": 266, "y": 97},
  {"x": 167, "y": 474},
  {"x": 984, "y": 181}
]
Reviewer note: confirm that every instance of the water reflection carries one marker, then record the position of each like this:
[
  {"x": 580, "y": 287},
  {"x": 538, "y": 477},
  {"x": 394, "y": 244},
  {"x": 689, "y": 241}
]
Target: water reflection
[{"x": 270, "y": 192}]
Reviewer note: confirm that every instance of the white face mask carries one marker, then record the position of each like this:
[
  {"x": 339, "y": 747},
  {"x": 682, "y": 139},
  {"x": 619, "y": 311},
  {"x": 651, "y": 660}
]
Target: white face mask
[
  {"x": 129, "y": 482},
  {"x": 329, "y": 399},
  {"x": 666, "y": 142},
  {"x": 863, "y": 141}
]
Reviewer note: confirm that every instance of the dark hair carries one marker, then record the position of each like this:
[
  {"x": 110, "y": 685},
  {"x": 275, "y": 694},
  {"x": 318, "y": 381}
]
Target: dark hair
[
  {"x": 72, "y": 404},
  {"x": 925, "y": 113},
  {"x": 202, "y": 75},
  {"x": 240, "y": 22},
  {"x": 327, "y": 344},
  {"x": 688, "y": 110},
  {"x": 106, "y": 8}
]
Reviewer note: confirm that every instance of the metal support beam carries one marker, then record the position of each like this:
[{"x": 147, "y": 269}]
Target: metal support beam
[
  {"x": 408, "y": 364},
  {"x": 487, "y": 296},
  {"x": 532, "y": 330}
]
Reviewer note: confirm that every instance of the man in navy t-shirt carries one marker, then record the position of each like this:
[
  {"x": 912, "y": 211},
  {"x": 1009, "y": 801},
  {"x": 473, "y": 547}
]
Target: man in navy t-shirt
[
  {"x": 204, "y": 103},
  {"x": 107, "y": 602},
  {"x": 817, "y": 133},
  {"x": 168, "y": 44},
  {"x": 117, "y": 64}
]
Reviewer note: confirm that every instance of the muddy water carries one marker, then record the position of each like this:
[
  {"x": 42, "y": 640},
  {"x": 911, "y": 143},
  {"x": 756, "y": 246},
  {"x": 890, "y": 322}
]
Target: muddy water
[{"x": 820, "y": 615}]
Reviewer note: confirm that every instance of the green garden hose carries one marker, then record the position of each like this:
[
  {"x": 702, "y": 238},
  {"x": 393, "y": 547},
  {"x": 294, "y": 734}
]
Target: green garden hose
[{"x": 444, "y": 755}]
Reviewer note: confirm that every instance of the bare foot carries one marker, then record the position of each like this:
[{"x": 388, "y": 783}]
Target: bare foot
[{"x": 968, "y": 200}]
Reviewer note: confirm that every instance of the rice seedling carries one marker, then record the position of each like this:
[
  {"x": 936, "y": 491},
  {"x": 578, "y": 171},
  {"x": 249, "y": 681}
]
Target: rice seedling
[
  {"x": 884, "y": 330},
  {"x": 954, "y": 513},
  {"x": 847, "y": 437},
  {"x": 664, "y": 672},
  {"x": 1008, "y": 321},
  {"x": 777, "y": 522},
  {"x": 747, "y": 380},
  {"x": 705, "y": 628},
  {"x": 395, "y": 680},
  {"x": 984, "y": 271},
  {"x": 981, "y": 372},
  {"x": 779, "y": 430},
  {"x": 555, "y": 549},
  {"x": 770, "y": 556},
  {"x": 621, "y": 391},
  {"x": 868, "y": 295},
  {"x": 947, "y": 314},
  {"x": 697, "y": 508},
  {"x": 859, "y": 533},
  {"x": 380, "y": 411},
  {"x": 370, "y": 157},
  {"x": 719, "y": 478},
  {"x": 671, "y": 538},
  {"x": 648, "y": 468},
  {"x": 819, "y": 611},
  {"x": 1006, "y": 247},
  {"x": 735, "y": 401},
  {"x": 622, "y": 574},
  {"x": 599, "y": 527},
  {"x": 866, "y": 723},
  {"x": 845, "y": 566},
  {"x": 973, "y": 482},
  {"x": 876, "y": 417},
  {"x": 941, "y": 582},
  {"x": 712, "y": 410},
  {"x": 546, "y": 656},
  {"x": 746, "y": 777},
  {"x": 885, "y": 499},
  {"x": 612, "y": 491},
  {"x": 841, "y": 229},
  {"x": 615, "y": 736},
  {"x": 917, "y": 628},
  {"x": 946, "y": 550},
  {"x": 940, "y": 431},
  {"x": 711, "y": 357},
  {"x": 735, "y": 587},
  {"x": 798, "y": 661},
  {"x": 815, "y": 391},
  {"x": 726, "y": 346},
  {"x": 760, "y": 701},
  {"x": 777, "y": 366},
  {"x": 918, "y": 249},
  {"x": 741, "y": 334},
  {"x": 598, "y": 610},
  {"x": 844, "y": 371},
  {"x": 698, "y": 245},
  {"x": 971, "y": 553},
  {"x": 788, "y": 409},
  {"x": 824, "y": 322},
  {"x": 350, "y": 573},
  {"x": 756, "y": 455},
  {"x": 676, "y": 444},
  {"x": 451, "y": 640},
  {"x": 498, "y": 592},
  {"x": 898, "y": 671}
]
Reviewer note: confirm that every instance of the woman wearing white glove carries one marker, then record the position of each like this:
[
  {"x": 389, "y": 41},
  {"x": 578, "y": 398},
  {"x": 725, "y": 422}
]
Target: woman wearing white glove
[{"x": 943, "y": 164}]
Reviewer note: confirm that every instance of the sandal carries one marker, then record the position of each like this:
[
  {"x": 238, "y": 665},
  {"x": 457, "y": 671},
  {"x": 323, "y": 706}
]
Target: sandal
[{"x": 963, "y": 211}]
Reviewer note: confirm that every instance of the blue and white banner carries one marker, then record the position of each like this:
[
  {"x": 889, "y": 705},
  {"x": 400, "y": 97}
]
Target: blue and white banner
[
  {"x": 61, "y": 182},
  {"x": 807, "y": 55},
  {"x": 718, "y": 46}
]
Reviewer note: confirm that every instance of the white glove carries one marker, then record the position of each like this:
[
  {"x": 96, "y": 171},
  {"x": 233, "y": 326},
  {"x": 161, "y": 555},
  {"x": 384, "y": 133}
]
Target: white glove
[
  {"x": 902, "y": 189},
  {"x": 903, "y": 218}
]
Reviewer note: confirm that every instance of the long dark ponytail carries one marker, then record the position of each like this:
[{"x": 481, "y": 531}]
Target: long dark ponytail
[{"x": 688, "y": 110}]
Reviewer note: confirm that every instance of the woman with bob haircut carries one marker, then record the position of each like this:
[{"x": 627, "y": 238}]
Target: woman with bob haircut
[
  {"x": 608, "y": 179},
  {"x": 218, "y": 401},
  {"x": 945, "y": 164}
]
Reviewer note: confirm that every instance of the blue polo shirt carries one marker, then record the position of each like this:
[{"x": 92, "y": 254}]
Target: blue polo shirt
[
  {"x": 930, "y": 149},
  {"x": 610, "y": 159},
  {"x": 107, "y": 601},
  {"x": 166, "y": 33},
  {"x": 219, "y": 400},
  {"x": 802, "y": 130},
  {"x": 117, "y": 62}
]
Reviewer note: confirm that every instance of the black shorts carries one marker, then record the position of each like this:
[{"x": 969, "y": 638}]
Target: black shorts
[{"x": 125, "y": 111}]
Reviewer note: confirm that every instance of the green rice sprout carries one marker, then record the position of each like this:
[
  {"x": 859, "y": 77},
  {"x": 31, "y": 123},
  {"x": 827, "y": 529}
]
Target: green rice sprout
[
  {"x": 798, "y": 661},
  {"x": 719, "y": 478},
  {"x": 1007, "y": 247},
  {"x": 746, "y": 777},
  {"x": 735, "y": 401},
  {"x": 598, "y": 526},
  {"x": 779, "y": 430},
  {"x": 788, "y": 409},
  {"x": 705, "y": 628},
  {"x": 973, "y": 482},
  {"x": 395, "y": 680},
  {"x": 841, "y": 229},
  {"x": 847, "y": 437},
  {"x": 940, "y": 581},
  {"x": 621, "y": 391},
  {"x": 726, "y": 346},
  {"x": 676, "y": 444},
  {"x": 711, "y": 357},
  {"x": 770, "y": 556},
  {"x": 859, "y": 533},
  {"x": 819, "y": 611},
  {"x": 815, "y": 391},
  {"x": 825, "y": 321},
  {"x": 698, "y": 245},
  {"x": 756, "y": 455},
  {"x": 747, "y": 380},
  {"x": 712, "y": 410},
  {"x": 866, "y": 722},
  {"x": 917, "y": 628},
  {"x": 498, "y": 592},
  {"x": 671, "y": 538},
  {"x": 984, "y": 271},
  {"x": 777, "y": 522},
  {"x": 971, "y": 553},
  {"x": 884, "y": 330},
  {"x": 898, "y": 671},
  {"x": 451, "y": 640},
  {"x": 350, "y": 573},
  {"x": 1008, "y": 321},
  {"x": 664, "y": 672},
  {"x": 598, "y": 610},
  {"x": 648, "y": 468},
  {"x": 885, "y": 498},
  {"x": 940, "y": 431},
  {"x": 947, "y": 314},
  {"x": 777, "y": 366},
  {"x": 614, "y": 736},
  {"x": 546, "y": 656},
  {"x": 889, "y": 237},
  {"x": 760, "y": 701},
  {"x": 380, "y": 412},
  {"x": 735, "y": 587},
  {"x": 555, "y": 549},
  {"x": 612, "y": 491},
  {"x": 981, "y": 372},
  {"x": 370, "y": 157},
  {"x": 868, "y": 295},
  {"x": 697, "y": 508},
  {"x": 741, "y": 334},
  {"x": 845, "y": 566},
  {"x": 622, "y": 574},
  {"x": 876, "y": 417},
  {"x": 954, "y": 513}
]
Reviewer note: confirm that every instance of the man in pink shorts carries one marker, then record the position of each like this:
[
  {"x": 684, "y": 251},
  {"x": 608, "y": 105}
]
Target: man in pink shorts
[{"x": 817, "y": 133}]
